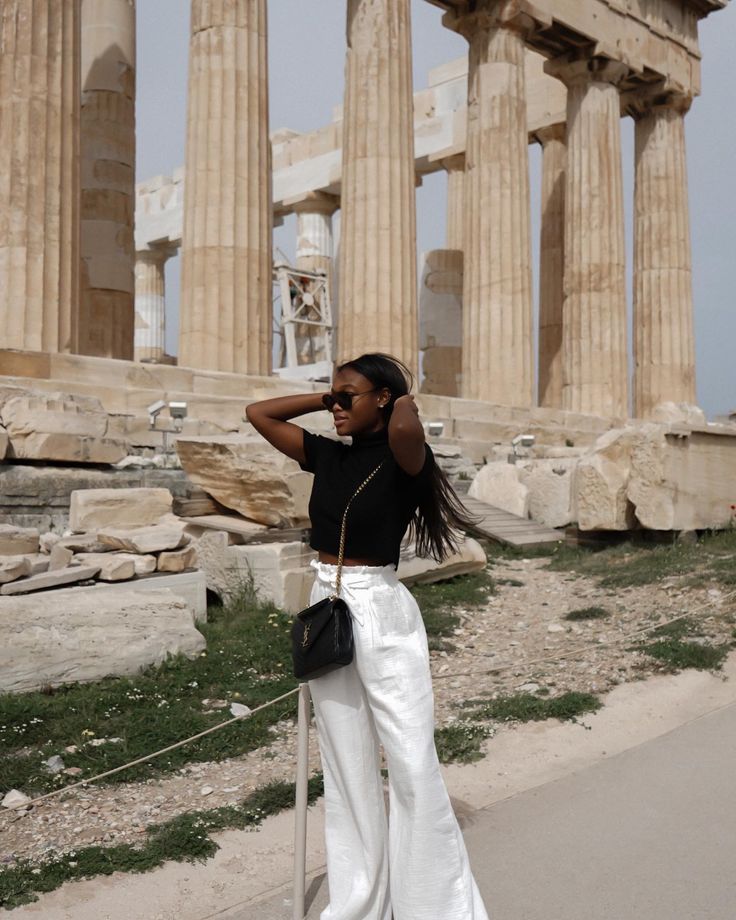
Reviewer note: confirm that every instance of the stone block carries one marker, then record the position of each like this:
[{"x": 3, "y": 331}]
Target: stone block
[
  {"x": 600, "y": 483},
  {"x": 4, "y": 441},
  {"x": 550, "y": 490},
  {"x": 142, "y": 564},
  {"x": 414, "y": 569},
  {"x": 190, "y": 586},
  {"x": 59, "y": 557},
  {"x": 56, "y": 579},
  {"x": 249, "y": 476},
  {"x": 498, "y": 484},
  {"x": 86, "y": 634},
  {"x": 92, "y": 509},
  {"x": 177, "y": 560},
  {"x": 113, "y": 566},
  {"x": 151, "y": 539},
  {"x": 16, "y": 541},
  {"x": 14, "y": 567}
]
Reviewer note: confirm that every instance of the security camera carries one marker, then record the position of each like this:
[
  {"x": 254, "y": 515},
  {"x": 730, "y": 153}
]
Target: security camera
[
  {"x": 178, "y": 411},
  {"x": 523, "y": 440},
  {"x": 153, "y": 411},
  {"x": 435, "y": 428}
]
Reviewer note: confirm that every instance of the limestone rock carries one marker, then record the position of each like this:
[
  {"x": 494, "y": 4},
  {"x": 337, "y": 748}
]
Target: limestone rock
[
  {"x": 113, "y": 566},
  {"x": 4, "y": 441},
  {"x": 48, "y": 541},
  {"x": 142, "y": 564},
  {"x": 151, "y": 539},
  {"x": 57, "y": 426},
  {"x": 685, "y": 413},
  {"x": 92, "y": 509},
  {"x": 498, "y": 484},
  {"x": 251, "y": 478},
  {"x": 14, "y": 798},
  {"x": 177, "y": 560},
  {"x": 550, "y": 490},
  {"x": 414, "y": 569},
  {"x": 59, "y": 557},
  {"x": 13, "y": 568},
  {"x": 86, "y": 634},
  {"x": 600, "y": 483},
  {"x": 39, "y": 562},
  {"x": 16, "y": 541},
  {"x": 84, "y": 543},
  {"x": 51, "y": 579}
]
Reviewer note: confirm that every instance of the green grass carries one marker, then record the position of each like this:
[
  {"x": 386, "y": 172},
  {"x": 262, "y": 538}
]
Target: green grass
[
  {"x": 587, "y": 613},
  {"x": 710, "y": 560},
  {"x": 526, "y": 707},
  {"x": 183, "y": 838},
  {"x": 438, "y": 601},
  {"x": 460, "y": 742},
  {"x": 669, "y": 646},
  {"x": 248, "y": 660}
]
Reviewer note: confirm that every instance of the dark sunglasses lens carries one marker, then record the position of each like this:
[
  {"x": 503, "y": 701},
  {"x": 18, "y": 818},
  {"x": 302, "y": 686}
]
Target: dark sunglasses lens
[{"x": 344, "y": 400}]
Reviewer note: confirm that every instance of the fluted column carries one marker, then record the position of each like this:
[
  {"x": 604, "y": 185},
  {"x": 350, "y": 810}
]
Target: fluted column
[
  {"x": 664, "y": 354},
  {"x": 106, "y": 311},
  {"x": 39, "y": 174},
  {"x": 150, "y": 303},
  {"x": 226, "y": 295},
  {"x": 497, "y": 285},
  {"x": 314, "y": 240},
  {"x": 595, "y": 370},
  {"x": 551, "y": 264},
  {"x": 455, "y": 168},
  {"x": 377, "y": 264}
]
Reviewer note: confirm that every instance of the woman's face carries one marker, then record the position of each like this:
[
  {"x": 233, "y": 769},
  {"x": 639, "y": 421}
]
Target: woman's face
[{"x": 364, "y": 415}]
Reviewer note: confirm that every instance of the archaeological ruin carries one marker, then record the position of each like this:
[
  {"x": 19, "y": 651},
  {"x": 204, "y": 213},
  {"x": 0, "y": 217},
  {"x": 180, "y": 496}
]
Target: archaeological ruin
[{"x": 90, "y": 400}]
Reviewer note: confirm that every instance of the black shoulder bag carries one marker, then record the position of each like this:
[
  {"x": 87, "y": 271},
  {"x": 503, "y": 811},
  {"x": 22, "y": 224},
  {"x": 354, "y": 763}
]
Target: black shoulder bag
[{"x": 322, "y": 635}]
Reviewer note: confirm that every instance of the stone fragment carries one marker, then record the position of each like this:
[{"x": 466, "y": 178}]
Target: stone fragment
[
  {"x": 51, "y": 579},
  {"x": 86, "y": 634},
  {"x": 142, "y": 565},
  {"x": 4, "y": 441},
  {"x": 48, "y": 541},
  {"x": 15, "y": 541},
  {"x": 150, "y": 539},
  {"x": 600, "y": 483},
  {"x": 684, "y": 413},
  {"x": 113, "y": 566},
  {"x": 93, "y": 509},
  {"x": 39, "y": 563},
  {"x": 414, "y": 569},
  {"x": 84, "y": 543},
  {"x": 14, "y": 798},
  {"x": 499, "y": 485},
  {"x": 13, "y": 568},
  {"x": 238, "y": 709},
  {"x": 177, "y": 560},
  {"x": 59, "y": 557},
  {"x": 54, "y": 764},
  {"x": 255, "y": 480},
  {"x": 550, "y": 490},
  {"x": 57, "y": 426}
]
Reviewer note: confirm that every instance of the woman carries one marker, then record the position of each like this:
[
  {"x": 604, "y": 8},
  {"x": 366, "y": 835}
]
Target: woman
[{"x": 415, "y": 864}]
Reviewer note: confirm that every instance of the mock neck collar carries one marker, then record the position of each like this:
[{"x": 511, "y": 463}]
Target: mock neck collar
[{"x": 369, "y": 438}]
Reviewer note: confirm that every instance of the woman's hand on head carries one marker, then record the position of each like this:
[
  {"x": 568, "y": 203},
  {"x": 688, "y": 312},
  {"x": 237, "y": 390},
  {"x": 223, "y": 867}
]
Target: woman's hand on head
[{"x": 408, "y": 401}]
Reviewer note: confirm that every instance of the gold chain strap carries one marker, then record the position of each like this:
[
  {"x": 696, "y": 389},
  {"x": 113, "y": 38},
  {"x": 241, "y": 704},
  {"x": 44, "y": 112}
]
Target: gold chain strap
[{"x": 341, "y": 553}]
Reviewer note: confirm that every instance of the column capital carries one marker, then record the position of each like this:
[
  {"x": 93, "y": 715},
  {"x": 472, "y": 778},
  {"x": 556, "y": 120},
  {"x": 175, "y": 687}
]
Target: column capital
[
  {"x": 549, "y": 133},
  {"x": 312, "y": 203},
  {"x": 576, "y": 69},
  {"x": 658, "y": 97},
  {"x": 156, "y": 254},
  {"x": 473, "y": 16},
  {"x": 454, "y": 163}
]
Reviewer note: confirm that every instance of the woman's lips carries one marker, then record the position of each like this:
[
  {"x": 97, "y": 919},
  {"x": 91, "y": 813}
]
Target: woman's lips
[{"x": 340, "y": 418}]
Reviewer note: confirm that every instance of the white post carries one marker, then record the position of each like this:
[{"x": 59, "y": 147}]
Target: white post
[{"x": 302, "y": 780}]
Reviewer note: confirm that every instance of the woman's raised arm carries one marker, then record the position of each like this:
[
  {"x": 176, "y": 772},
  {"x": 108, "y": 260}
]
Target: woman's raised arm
[{"x": 269, "y": 418}]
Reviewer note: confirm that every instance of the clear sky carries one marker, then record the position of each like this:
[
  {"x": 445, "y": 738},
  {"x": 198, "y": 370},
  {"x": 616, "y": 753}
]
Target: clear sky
[{"x": 306, "y": 60}]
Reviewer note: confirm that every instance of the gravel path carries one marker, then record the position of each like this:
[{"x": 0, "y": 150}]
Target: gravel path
[{"x": 519, "y": 623}]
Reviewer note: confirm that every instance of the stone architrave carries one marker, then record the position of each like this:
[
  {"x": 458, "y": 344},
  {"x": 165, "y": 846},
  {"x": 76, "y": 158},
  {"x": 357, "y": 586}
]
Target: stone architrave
[
  {"x": 107, "y": 178},
  {"x": 551, "y": 264},
  {"x": 377, "y": 262},
  {"x": 595, "y": 370},
  {"x": 498, "y": 360},
  {"x": 664, "y": 350},
  {"x": 39, "y": 174},
  {"x": 150, "y": 303},
  {"x": 226, "y": 305}
]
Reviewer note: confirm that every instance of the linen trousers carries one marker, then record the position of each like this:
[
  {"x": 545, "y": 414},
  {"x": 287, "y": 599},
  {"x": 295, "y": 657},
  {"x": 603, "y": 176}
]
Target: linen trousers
[{"x": 412, "y": 865}]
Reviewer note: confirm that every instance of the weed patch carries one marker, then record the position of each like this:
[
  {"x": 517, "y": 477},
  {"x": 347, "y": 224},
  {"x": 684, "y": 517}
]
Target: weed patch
[
  {"x": 526, "y": 707},
  {"x": 587, "y": 613},
  {"x": 460, "y": 743}
]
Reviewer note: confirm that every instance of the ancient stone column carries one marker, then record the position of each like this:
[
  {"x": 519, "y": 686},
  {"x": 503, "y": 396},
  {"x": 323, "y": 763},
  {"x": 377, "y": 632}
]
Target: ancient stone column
[
  {"x": 455, "y": 169},
  {"x": 377, "y": 263},
  {"x": 497, "y": 286},
  {"x": 551, "y": 264},
  {"x": 595, "y": 370},
  {"x": 150, "y": 303},
  {"x": 664, "y": 357},
  {"x": 106, "y": 312},
  {"x": 314, "y": 241},
  {"x": 39, "y": 174},
  {"x": 226, "y": 293}
]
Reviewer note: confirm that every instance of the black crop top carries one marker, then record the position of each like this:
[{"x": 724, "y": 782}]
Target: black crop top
[{"x": 381, "y": 512}]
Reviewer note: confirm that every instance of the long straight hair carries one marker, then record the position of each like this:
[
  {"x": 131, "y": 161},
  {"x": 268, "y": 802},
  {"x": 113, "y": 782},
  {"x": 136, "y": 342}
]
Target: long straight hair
[{"x": 440, "y": 513}]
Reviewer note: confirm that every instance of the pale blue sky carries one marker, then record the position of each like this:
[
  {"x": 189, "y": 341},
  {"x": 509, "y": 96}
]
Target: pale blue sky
[{"x": 306, "y": 59}]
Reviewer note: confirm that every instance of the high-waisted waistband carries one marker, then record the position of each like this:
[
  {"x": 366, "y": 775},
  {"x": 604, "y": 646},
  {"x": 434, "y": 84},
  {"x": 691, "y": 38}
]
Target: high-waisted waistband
[{"x": 355, "y": 575}]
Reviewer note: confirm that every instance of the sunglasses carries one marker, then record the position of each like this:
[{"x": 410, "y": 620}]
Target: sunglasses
[{"x": 344, "y": 400}]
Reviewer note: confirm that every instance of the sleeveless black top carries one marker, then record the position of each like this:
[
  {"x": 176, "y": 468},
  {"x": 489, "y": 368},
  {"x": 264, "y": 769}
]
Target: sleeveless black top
[{"x": 380, "y": 513}]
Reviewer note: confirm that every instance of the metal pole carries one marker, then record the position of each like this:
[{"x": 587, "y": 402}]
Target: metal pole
[{"x": 302, "y": 779}]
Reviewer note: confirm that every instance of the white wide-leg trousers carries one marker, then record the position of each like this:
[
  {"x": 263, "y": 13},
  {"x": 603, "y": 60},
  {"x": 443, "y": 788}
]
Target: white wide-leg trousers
[{"x": 414, "y": 864}]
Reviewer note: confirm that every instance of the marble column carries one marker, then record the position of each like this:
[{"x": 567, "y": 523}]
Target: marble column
[
  {"x": 39, "y": 174},
  {"x": 377, "y": 262},
  {"x": 314, "y": 241},
  {"x": 551, "y": 264},
  {"x": 106, "y": 312},
  {"x": 455, "y": 168},
  {"x": 226, "y": 293},
  {"x": 150, "y": 303},
  {"x": 497, "y": 285},
  {"x": 595, "y": 369},
  {"x": 664, "y": 356}
]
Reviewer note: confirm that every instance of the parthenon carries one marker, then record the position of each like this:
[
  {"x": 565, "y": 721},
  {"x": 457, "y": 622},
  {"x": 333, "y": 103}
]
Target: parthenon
[{"x": 82, "y": 257}]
